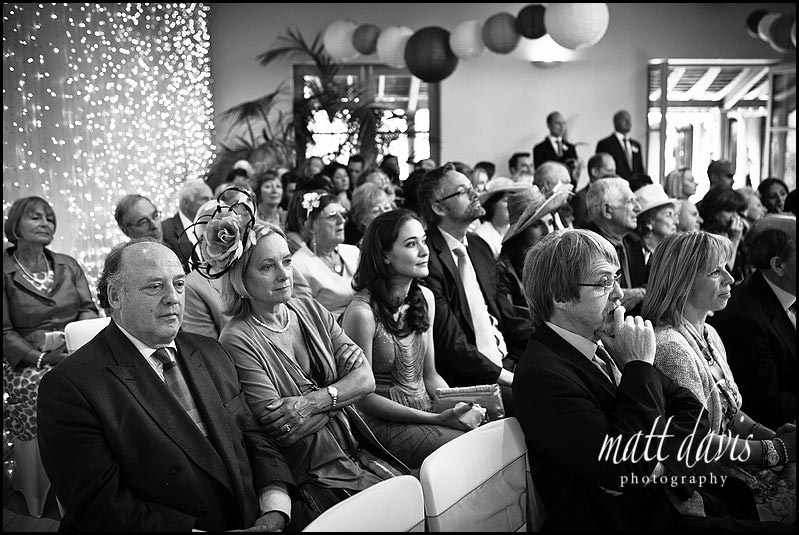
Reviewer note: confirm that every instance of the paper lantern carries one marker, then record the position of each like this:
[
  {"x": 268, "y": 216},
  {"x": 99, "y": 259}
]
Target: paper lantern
[
  {"x": 765, "y": 25},
  {"x": 780, "y": 33},
  {"x": 391, "y": 45},
  {"x": 530, "y": 21},
  {"x": 576, "y": 26},
  {"x": 365, "y": 38},
  {"x": 338, "y": 40},
  {"x": 752, "y": 21},
  {"x": 428, "y": 55},
  {"x": 499, "y": 33},
  {"x": 466, "y": 40}
]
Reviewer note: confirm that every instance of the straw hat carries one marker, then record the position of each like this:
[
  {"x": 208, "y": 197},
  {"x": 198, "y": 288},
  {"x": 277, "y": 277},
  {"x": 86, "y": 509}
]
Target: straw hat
[
  {"x": 527, "y": 207},
  {"x": 653, "y": 196},
  {"x": 499, "y": 185}
]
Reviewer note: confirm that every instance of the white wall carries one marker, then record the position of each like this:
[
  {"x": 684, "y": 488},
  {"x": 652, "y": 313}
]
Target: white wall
[{"x": 497, "y": 104}]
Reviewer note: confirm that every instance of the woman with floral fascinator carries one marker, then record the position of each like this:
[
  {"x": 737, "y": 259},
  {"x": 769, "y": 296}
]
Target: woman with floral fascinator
[
  {"x": 299, "y": 371},
  {"x": 327, "y": 262}
]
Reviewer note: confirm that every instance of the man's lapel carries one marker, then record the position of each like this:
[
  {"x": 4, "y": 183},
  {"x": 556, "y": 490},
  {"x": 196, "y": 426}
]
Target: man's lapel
[
  {"x": 445, "y": 257},
  {"x": 136, "y": 374}
]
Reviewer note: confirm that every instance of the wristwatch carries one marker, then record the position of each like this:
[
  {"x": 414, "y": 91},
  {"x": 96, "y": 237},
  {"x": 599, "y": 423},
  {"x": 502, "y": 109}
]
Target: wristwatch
[
  {"x": 333, "y": 391},
  {"x": 770, "y": 456}
]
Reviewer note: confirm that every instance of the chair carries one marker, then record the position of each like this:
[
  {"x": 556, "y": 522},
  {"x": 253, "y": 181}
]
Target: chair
[
  {"x": 77, "y": 333},
  {"x": 395, "y": 504},
  {"x": 479, "y": 481}
]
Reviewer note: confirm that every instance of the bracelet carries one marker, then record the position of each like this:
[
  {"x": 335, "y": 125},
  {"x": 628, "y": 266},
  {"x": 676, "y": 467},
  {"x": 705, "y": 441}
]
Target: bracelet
[
  {"x": 39, "y": 361},
  {"x": 779, "y": 441},
  {"x": 752, "y": 429}
]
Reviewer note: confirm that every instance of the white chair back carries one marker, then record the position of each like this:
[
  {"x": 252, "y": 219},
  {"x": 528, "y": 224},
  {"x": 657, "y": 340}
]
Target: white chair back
[
  {"x": 395, "y": 504},
  {"x": 478, "y": 481},
  {"x": 77, "y": 333}
]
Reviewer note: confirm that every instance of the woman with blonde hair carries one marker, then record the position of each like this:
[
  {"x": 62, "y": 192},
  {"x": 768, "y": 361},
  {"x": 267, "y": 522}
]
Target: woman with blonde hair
[{"x": 688, "y": 280}]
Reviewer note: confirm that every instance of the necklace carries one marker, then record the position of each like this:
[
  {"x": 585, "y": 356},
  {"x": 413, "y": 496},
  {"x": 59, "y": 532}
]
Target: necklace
[
  {"x": 268, "y": 328},
  {"x": 337, "y": 266},
  {"x": 28, "y": 273}
]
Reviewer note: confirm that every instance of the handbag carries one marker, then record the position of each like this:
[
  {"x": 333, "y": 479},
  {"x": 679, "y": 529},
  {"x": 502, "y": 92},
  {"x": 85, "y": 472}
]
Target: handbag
[{"x": 487, "y": 396}]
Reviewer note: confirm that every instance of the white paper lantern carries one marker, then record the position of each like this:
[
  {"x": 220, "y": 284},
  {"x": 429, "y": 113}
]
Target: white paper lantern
[
  {"x": 576, "y": 26},
  {"x": 764, "y": 25},
  {"x": 793, "y": 33},
  {"x": 338, "y": 40},
  {"x": 391, "y": 45},
  {"x": 466, "y": 39}
]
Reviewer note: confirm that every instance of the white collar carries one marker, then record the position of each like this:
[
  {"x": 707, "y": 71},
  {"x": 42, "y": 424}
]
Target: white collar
[
  {"x": 585, "y": 346},
  {"x": 143, "y": 348},
  {"x": 452, "y": 242},
  {"x": 621, "y": 136}
]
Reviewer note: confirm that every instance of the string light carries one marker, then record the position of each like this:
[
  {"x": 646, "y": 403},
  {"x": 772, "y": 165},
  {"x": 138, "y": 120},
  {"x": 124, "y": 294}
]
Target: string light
[{"x": 103, "y": 100}]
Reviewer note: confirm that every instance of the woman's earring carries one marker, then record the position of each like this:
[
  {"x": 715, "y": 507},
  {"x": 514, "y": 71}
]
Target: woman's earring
[{"x": 313, "y": 243}]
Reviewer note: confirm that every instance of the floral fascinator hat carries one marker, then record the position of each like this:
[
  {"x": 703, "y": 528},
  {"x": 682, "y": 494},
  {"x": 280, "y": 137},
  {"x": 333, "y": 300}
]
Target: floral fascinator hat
[{"x": 224, "y": 228}]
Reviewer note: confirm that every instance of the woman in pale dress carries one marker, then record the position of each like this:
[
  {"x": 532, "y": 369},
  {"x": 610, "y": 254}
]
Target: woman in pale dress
[
  {"x": 391, "y": 318},
  {"x": 689, "y": 279}
]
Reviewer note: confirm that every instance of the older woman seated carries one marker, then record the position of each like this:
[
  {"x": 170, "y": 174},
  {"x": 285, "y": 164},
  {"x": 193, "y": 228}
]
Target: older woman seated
[
  {"x": 297, "y": 367},
  {"x": 368, "y": 202},
  {"x": 391, "y": 318},
  {"x": 688, "y": 280},
  {"x": 657, "y": 220},
  {"x": 42, "y": 292},
  {"x": 327, "y": 263}
]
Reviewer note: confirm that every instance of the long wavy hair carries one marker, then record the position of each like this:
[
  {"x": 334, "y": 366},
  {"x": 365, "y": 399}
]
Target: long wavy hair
[{"x": 375, "y": 275}]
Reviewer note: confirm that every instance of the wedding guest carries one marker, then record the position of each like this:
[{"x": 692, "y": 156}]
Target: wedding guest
[
  {"x": 43, "y": 291},
  {"x": 625, "y": 150},
  {"x": 338, "y": 174},
  {"x": 268, "y": 196},
  {"x": 688, "y": 280},
  {"x": 298, "y": 369},
  {"x": 721, "y": 173},
  {"x": 721, "y": 209},
  {"x": 758, "y": 325},
  {"x": 754, "y": 210},
  {"x": 354, "y": 167},
  {"x": 289, "y": 180},
  {"x": 368, "y": 202},
  {"x": 773, "y": 192},
  {"x": 656, "y": 221},
  {"x": 494, "y": 199},
  {"x": 680, "y": 183},
  {"x": 138, "y": 217},
  {"x": 191, "y": 195},
  {"x": 391, "y": 318},
  {"x": 327, "y": 263},
  {"x": 688, "y": 217}
]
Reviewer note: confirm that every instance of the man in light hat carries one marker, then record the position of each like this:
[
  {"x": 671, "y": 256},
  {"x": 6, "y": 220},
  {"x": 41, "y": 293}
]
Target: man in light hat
[
  {"x": 475, "y": 341},
  {"x": 494, "y": 223}
]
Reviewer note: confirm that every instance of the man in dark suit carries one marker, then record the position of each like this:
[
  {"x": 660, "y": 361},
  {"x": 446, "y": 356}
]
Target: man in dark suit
[
  {"x": 601, "y": 165},
  {"x": 477, "y": 340},
  {"x": 192, "y": 195},
  {"x": 613, "y": 214},
  {"x": 146, "y": 428},
  {"x": 626, "y": 151},
  {"x": 554, "y": 147},
  {"x": 587, "y": 378},
  {"x": 758, "y": 325}
]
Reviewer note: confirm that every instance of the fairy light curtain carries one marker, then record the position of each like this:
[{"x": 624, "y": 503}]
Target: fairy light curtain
[{"x": 102, "y": 100}]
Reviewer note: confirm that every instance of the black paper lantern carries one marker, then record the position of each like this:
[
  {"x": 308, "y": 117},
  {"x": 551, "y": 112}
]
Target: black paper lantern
[
  {"x": 530, "y": 21},
  {"x": 780, "y": 33},
  {"x": 753, "y": 20},
  {"x": 428, "y": 55},
  {"x": 499, "y": 33},
  {"x": 365, "y": 38}
]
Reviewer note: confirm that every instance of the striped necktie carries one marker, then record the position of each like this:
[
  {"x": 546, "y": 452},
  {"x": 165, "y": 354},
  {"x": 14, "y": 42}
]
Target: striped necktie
[
  {"x": 604, "y": 360},
  {"x": 177, "y": 385}
]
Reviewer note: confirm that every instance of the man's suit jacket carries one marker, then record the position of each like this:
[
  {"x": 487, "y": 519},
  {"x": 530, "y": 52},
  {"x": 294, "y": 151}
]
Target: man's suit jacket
[
  {"x": 545, "y": 152},
  {"x": 761, "y": 350},
  {"x": 123, "y": 455},
  {"x": 457, "y": 358},
  {"x": 612, "y": 146},
  {"x": 177, "y": 241},
  {"x": 567, "y": 406}
]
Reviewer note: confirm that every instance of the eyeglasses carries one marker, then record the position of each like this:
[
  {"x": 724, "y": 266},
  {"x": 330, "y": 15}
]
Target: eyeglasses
[
  {"x": 468, "y": 191},
  {"x": 332, "y": 216},
  {"x": 154, "y": 218},
  {"x": 606, "y": 285}
]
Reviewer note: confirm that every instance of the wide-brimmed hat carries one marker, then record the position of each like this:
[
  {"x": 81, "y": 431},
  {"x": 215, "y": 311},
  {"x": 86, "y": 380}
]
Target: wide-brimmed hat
[
  {"x": 653, "y": 196},
  {"x": 499, "y": 185},
  {"x": 529, "y": 206}
]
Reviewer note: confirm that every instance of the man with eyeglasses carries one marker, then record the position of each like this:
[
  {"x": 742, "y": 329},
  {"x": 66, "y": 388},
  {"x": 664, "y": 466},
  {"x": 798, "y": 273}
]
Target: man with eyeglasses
[
  {"x": 138, "y": 217},
  {"x": 613, "y": 214},
  {"x": 587, "y": 376},
  {"x": 477, "y": 340}
]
